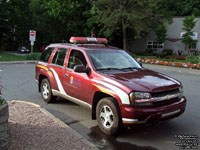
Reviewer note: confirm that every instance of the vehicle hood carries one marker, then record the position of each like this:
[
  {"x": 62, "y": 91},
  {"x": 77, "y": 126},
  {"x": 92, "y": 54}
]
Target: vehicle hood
[{"x": 145, "y": 81}]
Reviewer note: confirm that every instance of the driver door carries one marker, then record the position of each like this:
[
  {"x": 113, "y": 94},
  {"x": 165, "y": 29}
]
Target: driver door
[{"x": 76, "y": 84}]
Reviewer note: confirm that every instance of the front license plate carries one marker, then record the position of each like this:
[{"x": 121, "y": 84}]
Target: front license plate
[{"x": 171, "y": 113}]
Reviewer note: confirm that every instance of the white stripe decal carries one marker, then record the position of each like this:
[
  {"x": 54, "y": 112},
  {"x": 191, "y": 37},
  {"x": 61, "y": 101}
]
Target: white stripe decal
[
  {"x": 60, "y": 87},
  {"x": 123, "y": 96}
]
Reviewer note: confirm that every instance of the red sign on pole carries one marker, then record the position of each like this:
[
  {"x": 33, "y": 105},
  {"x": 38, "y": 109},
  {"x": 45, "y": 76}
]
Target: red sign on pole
[{"x": 32, "y": 35}]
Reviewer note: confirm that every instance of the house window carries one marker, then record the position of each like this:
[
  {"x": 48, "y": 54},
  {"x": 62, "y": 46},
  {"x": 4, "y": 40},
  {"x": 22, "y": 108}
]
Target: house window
[{"x": 154, "y": 45}]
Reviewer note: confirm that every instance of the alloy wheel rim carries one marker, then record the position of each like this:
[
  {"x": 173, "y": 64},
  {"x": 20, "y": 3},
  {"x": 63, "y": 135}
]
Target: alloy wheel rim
[
  {"x": 45, "y": 90},
  {"x": 106, "y": 116}
]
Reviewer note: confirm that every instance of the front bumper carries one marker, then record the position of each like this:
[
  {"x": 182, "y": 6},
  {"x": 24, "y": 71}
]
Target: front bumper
[{"x": 154, "y": 114}]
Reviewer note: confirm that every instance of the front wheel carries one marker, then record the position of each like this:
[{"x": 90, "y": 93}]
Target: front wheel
[
  {"x": 46, "y": 93},
  {"x": 108, "y": 116}
]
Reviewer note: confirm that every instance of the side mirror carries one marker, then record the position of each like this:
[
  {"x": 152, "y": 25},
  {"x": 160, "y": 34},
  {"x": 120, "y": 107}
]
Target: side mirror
[{"x": 82, "y": 69}]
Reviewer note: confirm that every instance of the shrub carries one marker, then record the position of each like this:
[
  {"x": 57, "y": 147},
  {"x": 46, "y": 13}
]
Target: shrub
[
  {"x": 2, "y": 100},
  {"x": 167, "y": 52}
]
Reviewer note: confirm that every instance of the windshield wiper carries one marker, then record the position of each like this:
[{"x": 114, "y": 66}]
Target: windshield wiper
[
  {"x": 101, "y": 69},
  {"x": 131, "y": 68}
]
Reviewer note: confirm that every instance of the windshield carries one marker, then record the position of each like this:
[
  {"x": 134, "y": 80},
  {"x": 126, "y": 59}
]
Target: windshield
[{"x": 112, "y": 59}]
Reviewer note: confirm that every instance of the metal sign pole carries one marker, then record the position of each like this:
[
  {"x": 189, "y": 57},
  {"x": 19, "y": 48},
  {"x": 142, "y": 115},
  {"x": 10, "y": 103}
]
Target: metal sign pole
[
  {"x": 32, "y": 37},
  {"x": 32, "y": 43}
]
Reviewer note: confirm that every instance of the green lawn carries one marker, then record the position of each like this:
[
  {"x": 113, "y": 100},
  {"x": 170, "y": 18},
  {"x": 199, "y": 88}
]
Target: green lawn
[{"x": 12, "y": 57}]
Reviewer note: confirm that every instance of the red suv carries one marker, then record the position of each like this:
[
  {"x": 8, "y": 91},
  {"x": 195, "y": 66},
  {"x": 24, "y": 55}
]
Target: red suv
[{"x": 111, "y": 83}]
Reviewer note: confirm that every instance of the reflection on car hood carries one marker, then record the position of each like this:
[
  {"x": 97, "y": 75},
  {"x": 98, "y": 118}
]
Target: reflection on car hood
[{"x": 145, "y": 80}]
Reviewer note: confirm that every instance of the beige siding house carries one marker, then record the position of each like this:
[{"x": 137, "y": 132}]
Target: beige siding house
[{"x": 173, "y": 38}]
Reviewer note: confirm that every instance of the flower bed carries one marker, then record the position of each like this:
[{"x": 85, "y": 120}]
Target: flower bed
[{"x": 169, "y": 63}]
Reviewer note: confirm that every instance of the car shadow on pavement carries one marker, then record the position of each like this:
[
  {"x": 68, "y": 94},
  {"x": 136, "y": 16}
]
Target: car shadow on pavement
[{"x": 106, "y": 142}]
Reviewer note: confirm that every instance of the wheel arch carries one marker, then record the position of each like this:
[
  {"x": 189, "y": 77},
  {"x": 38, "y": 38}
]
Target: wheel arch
[
  {"x": 97, "y": 97},
  {"x": 41, "y": 77}
]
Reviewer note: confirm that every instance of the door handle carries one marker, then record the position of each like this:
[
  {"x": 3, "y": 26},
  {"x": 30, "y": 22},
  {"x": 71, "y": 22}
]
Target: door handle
[{"x": 66, "y": 75}]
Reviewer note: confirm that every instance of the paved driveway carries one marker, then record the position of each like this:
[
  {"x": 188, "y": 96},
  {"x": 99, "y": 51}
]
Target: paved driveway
[{"x": 19, "y": 83}]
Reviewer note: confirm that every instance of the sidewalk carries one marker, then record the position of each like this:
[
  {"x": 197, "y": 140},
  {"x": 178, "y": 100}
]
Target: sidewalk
[{"x": 33, "y": 128}]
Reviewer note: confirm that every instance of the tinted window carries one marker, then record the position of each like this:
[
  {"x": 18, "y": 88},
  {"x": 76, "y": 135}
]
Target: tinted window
[
  {"x": 46, "y": 54},
  {"x": 59, "y": 56},
  {"x": 76, "y": 58}
]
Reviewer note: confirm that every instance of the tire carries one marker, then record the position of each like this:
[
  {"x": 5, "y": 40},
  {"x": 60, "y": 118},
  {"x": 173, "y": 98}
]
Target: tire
[
  {"x": 46, "y": 93},
  {"x": 108, "y": 116}
]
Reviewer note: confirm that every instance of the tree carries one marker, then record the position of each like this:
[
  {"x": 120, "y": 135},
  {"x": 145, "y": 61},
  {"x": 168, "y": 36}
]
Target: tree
[
  {"x": 18, "y": 23},
  {"x": 4, "y": 29},
  {"x": 72, "y": 14},
  {"x": 127, "y": 18},
  {"x": 188, "y": 25},
  {"x": 161, "y": 32},
  {"x": 181, "y": 7}
]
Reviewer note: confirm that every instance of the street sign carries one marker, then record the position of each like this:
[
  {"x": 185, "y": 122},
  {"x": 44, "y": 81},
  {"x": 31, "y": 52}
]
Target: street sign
[
  {"x": 32, "y": 35},
  {"x": 32, "y": 43}
]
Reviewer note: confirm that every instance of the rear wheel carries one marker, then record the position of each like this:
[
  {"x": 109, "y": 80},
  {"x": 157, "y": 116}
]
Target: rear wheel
[
  {"x": 46, "y": 93},
  {"x": 108, "y": 116}
]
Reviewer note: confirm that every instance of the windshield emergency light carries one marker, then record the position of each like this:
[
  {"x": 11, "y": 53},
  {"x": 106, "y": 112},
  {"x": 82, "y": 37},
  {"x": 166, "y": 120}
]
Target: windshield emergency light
[{"x": 85, "y": 40}]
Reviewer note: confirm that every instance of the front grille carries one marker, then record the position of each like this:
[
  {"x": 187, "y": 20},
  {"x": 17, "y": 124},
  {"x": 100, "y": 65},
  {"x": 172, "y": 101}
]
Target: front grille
[{"x": 165, "y": 94}]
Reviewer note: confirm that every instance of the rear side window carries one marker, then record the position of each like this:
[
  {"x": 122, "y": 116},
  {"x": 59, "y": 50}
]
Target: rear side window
[
  {"x": 46, "y": 54},
  {"x": 59, "y": 56}
]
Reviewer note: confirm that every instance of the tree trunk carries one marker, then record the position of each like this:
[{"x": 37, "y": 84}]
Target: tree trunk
[
  {"x": 123, "y": 26},
  {"x": 124, "y": 35}
]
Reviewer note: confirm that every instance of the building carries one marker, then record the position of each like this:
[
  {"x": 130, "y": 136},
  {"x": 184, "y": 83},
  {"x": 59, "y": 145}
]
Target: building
[{"x": 173, "y": 39}]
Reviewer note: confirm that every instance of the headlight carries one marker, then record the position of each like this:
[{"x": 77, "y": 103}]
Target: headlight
[
  {"x": 141, "y": 95},
  {"x": 140, "y": 99}
]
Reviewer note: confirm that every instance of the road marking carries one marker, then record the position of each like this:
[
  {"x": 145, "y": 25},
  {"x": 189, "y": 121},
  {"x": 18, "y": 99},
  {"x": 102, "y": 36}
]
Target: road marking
[{"x": 0, "y": 70}]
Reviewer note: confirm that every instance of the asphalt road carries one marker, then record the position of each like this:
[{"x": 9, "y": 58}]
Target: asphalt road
[{"x": 18, "y": 81}]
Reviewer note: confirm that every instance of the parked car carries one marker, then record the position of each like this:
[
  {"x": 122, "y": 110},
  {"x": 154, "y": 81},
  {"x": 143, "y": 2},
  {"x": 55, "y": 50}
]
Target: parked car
[
  {"x": 23, "y": 49},
  {"x": 107, "y": 80}
]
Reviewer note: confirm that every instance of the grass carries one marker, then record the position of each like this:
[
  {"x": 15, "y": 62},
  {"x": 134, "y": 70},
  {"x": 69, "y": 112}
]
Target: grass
[{"x": 11, "y": 57}]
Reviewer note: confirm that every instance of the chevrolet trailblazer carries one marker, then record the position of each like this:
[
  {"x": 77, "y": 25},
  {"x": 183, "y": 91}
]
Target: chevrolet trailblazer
[{"x": 107, "y": 80}]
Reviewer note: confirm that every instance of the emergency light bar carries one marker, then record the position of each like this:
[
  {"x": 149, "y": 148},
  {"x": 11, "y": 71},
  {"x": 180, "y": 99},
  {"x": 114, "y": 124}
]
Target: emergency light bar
[{"x": 86, "y": 40}]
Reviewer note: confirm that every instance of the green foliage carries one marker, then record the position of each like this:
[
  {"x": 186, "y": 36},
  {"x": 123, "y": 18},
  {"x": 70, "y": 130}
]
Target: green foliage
[
  {"x": 2, "y": 100},
  {"x": 188, "y": 25},
  {"x": 130, "y": 18},
  {"x": 34, "y": 56},
  {"x": 194, "y": 59},
  {"x": 167, "y": 52},
  {"x": 181, "y": 7},
  {"x": 58, "y": 20},
  {"x": 161, "y": 32}
]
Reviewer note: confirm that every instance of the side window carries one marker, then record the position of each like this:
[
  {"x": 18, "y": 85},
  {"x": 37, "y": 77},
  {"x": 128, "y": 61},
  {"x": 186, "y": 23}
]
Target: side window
[
  {"x": 76, "y": 58},
  {"x": 46, "y": 54},
  {"x": 59, "y": 56}
]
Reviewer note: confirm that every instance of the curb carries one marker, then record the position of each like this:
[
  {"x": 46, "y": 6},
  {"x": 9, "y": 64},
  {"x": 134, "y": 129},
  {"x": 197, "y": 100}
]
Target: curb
[
  {"x": 61, "y": 123},
  {"x": 18, "y": 62}
]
